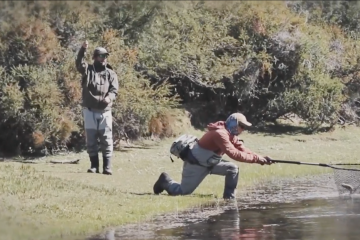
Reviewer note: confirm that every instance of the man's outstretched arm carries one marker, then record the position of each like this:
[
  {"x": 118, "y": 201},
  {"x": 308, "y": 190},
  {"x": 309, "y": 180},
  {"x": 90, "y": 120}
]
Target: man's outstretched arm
[
  {"x": 80, "y": 63},
  {"x": 223, "y": 142},
  {"x": 239, "y": 144}
]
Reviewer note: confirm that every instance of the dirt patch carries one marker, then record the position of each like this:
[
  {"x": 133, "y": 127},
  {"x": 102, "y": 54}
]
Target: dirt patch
[{"x": 282, "y": 190}]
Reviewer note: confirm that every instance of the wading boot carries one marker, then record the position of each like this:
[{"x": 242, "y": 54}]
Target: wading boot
[
  {"x": 107, "y": 166},
  {"x": 229, "y": 194},
  {"x": 94, "y": 168},
  {"x": 231, "y": 201},
  {"x": 162, "y": 183}
]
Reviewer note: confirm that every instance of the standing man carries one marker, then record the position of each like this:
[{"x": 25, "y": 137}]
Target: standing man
[
  {"x": 99, "y": 90},
  {"x": 205, "y": 157}
]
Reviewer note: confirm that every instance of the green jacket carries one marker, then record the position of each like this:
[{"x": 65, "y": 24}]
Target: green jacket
[{"x": 96, "y": 85}]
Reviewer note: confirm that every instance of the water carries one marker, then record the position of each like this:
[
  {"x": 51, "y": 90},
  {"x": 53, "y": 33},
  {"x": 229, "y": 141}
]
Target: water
[
  {"x": 305, "y": 209},
  {"x": 333, "y": 218}
]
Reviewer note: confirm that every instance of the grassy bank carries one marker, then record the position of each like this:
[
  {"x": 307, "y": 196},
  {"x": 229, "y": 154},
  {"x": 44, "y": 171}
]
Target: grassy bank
[{"x": 53, "y": 201}]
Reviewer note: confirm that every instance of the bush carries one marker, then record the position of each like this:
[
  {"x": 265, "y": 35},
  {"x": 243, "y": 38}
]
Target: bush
[
  {"x": 256, "y": 58},
  {"x": 41, "y": 92},
  {"x": 263, "y": 59},
  {"x": 32, "y": 104}
]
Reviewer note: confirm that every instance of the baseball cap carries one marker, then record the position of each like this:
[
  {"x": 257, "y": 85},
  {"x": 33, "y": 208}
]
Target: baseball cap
[
  {"x": 241, "y": 119},
  {"x": 100, "y": 50}
]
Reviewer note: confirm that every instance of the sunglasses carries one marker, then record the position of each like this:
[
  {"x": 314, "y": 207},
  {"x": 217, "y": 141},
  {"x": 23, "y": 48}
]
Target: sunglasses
[{"x": 102, "y": 55}]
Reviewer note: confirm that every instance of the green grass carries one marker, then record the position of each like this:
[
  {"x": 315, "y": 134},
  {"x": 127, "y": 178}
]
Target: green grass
[{"x": 54, "y": 201}]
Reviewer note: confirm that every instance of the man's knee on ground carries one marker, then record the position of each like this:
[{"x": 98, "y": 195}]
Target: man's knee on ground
[
  {"x": 173, "y": 194},
  {"x": 187, "y": 191}
]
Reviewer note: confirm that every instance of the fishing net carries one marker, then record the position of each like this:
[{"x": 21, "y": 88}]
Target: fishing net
[{"x": 347, "y": 178}]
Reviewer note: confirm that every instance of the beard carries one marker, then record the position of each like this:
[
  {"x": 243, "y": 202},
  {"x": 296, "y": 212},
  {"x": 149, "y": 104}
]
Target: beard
[{"x": 100, "y": 65}]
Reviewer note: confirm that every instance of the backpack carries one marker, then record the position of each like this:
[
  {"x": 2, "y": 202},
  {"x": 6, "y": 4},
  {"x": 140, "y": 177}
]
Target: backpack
[{"x": 181, "y": 145}]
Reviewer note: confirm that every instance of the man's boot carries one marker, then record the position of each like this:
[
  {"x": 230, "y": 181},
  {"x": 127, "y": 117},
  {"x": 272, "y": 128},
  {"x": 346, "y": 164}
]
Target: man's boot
[
  {"x": 94, "y": 168},
  {"x": 107, "y": 166},
  {"x": 162, "y": 183}
]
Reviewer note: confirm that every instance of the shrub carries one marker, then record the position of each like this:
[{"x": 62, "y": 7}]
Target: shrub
[
  {"x": 265, "y": 59},
  {"x": 256, "y": 58},
  {"x": 34, "y": 102},
  {"x": 41, "y": 92}
]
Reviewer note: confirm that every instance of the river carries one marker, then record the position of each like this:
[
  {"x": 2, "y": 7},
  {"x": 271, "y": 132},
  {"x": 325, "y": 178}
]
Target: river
[{"x": 297, "y": 209}]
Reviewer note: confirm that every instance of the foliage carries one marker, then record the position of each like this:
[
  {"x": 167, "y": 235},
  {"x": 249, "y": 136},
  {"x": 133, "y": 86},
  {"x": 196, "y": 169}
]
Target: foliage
[
  {"x": 265, "y": 59},
  {"x": 258, "y": 58},
  {"x": 41, "y": 92}
]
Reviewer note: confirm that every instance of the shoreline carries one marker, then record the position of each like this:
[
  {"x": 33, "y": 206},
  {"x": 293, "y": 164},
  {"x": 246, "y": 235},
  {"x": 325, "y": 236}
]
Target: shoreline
[{"x": 248, "y": 198}]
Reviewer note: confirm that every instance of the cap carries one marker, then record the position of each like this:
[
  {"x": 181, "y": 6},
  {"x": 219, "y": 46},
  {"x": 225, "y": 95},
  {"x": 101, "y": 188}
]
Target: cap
[
  {"x": 100, "y": 50},
  {"x": 240, "y": 118}
]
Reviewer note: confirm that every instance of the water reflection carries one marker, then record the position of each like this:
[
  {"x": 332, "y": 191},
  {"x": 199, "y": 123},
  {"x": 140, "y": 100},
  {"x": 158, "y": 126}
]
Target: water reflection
[
  {"x": 322, "y": 214},
  {"x": 334, "y": 218},
  {"x": 322, "y": 218}
]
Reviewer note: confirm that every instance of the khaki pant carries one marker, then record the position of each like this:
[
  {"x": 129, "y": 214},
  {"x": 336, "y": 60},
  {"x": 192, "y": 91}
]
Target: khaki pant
[{"x": 98, "y": 125}]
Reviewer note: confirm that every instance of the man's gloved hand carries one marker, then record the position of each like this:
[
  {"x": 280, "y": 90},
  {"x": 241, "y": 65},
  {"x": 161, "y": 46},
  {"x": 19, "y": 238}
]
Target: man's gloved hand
[
  {"x": 269, "y": 160},
  {"x": 264, "y": 160}
]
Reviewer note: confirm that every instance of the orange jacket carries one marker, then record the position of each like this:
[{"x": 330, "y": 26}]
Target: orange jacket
[{"x": 219, "y": 140}]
